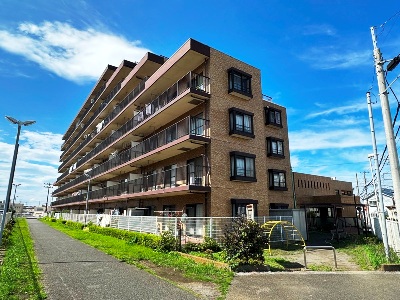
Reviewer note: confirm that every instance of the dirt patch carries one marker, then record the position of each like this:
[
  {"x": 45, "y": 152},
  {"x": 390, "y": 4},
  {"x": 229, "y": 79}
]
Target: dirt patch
[
  {"x": 320, "y": 257},
  {"x": 206, "y": 290}
]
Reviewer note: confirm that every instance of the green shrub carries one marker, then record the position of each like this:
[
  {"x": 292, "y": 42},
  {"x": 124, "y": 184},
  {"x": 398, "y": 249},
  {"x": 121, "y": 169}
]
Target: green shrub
[
  {"x": 210, "y": 244},
  {"x": 192, "y": 247},
  {"x": 244, "y": 243},
  {"x": 167, "y": 242},
  {"x": 72, "y": 224},
  {"x": 7, "y": 233},
  {"x": 132, "y": 237}
]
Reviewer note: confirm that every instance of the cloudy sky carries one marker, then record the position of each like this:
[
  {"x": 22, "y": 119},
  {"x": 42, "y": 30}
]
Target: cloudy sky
[{"x": 315, "y": 58}]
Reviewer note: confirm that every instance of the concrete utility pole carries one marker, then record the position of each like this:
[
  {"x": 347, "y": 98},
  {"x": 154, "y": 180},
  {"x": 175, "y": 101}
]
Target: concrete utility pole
[
  {"x": 378, "y": 186},
  {"x": 48, "y": 186},
  {"x": 387, "y": 122},
  {"x": 358, "y": 188}
]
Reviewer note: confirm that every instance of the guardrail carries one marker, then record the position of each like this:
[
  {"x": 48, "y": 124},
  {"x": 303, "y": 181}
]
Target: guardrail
[{"x": 319, "y": 247}]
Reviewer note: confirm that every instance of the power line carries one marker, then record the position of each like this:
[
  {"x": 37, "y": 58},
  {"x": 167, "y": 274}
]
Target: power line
[{"x": 382, "y": 26}]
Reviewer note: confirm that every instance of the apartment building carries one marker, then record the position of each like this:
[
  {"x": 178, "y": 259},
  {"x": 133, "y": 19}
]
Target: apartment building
[{"x": 191, "y": 133}]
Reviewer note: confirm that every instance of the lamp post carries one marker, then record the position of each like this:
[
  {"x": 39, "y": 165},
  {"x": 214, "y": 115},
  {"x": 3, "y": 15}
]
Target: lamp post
[
  {"x": 48, "y": 186},
  {"x": 15, "y": 192},
  {"x": 87, "y": 197},
  {"x": 20, "y": 124}
]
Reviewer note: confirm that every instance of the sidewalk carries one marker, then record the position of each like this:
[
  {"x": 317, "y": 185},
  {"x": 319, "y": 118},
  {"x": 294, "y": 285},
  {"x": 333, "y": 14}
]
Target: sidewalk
[{"x": 73, "y": 270}]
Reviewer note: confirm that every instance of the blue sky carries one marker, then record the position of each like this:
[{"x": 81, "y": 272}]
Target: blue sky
[{"x": 315, "y": 59}]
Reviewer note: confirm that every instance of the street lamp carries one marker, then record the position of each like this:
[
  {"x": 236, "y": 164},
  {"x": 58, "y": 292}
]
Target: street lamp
[
  {"x": 87, "y": 196},
  {"x": 15, "y": 192},
  {"x": 48, "y": 186},
  {"x": 20, "y": 124}
]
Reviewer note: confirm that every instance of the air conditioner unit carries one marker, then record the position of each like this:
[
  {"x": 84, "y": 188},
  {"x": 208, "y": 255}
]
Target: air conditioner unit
[{"x": 86, "y": 136}]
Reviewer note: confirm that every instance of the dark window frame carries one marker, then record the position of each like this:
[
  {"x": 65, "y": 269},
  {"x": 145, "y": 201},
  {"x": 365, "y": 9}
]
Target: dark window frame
[
  {"x": 271, "y": 177},
  {"x": 246, "y": 158},
  {"x": 234, "y": 127},
  {"x": 270, "y": 149},
  {"x": 236, "y": 203},
  {"x": 239, "y": 82},
  {"x": 269, "y": 111}
]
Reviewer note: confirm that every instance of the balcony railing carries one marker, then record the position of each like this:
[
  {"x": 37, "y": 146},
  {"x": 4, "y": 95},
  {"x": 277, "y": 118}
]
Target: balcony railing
[
  {"x": 93, "y": 117},
  {"x": 191, "y": 80},
  {"x": 174, "y": 177},
  {"x": 99, "y": 92},
  {"x": 128, "y": 99},
  {"x": 188, "y": 126}
]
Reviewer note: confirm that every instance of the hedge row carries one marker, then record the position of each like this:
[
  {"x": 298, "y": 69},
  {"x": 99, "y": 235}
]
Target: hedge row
[{"x": 145, "y": 239}]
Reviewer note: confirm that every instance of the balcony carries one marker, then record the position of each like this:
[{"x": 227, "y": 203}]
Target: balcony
[
  {"x": 188, "y": 92},
  {"x": 187, "y": 134},
  {"x": 109, "y": 97},
  {"x": 95, "y": 93},
  {"x": 174, "y": 181},
  {"x": 120, "y": 107}
]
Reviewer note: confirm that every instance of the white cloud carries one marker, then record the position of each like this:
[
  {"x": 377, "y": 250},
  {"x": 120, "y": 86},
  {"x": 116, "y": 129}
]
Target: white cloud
[
  {"x": 340, "y": 110},
  {"x": 344, "y": 122},
  {"x": 331, "y": 57},
  {"x": 332, "y": 139},
  {"x": 321, "y": 29},
  {"x": 37, "y": 162},
  {"x": 71, "y": 53}
]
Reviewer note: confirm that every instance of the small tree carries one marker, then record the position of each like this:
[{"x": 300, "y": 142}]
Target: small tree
[{"x": 244, "y": 243}]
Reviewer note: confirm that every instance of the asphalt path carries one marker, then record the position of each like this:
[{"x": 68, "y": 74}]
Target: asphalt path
[
  {"x": 75, "y": 271},
  {"x": 351, "y": 285}
]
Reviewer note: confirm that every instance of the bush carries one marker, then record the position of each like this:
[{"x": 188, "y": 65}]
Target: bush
[
  {"x": 210, "y": 244},
  {"x": 72, "y": 224},
  {"x": 7, "y": 233},
  {"x": 167, "y": 242},
  {"x": 244, "y": 243},
  {"x": 132, "y": 237},
  {"x": 192, "y": 247}
]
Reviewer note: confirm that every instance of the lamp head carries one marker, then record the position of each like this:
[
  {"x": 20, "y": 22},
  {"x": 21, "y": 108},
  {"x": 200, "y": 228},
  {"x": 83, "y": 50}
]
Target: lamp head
[
  {"x": 27, "y": 123},
  {"x": 12, "y": 120},
  {"x": 24, "y": 123}
]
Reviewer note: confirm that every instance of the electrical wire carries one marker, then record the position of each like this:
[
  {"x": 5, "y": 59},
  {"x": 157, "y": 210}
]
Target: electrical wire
[{"x": 382, "y": 26}]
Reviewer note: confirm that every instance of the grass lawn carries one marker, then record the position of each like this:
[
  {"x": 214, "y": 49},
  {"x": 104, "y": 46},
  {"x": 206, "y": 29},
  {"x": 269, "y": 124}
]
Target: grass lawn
[{"x": 19, "y": 274}]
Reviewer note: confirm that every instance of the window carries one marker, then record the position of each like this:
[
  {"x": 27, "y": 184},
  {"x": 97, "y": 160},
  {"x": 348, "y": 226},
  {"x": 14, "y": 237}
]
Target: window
[
  {"x": 170, "y": 133},
  {"x": 243, "y": 166},
  {"x": 197, "y": 125},
  {"x": 277, "y": 180},
  {"x": 170, "y": 176},
  {"x": 273, "y": 117},
  {"x": 244, "y": 207},
  {"x": 275, "y": 147},
  {"x": 241, "y": 123},
  {"x": 195, "y": 171},
  {"x": 278, "y": 206},
  {"x": 239, "y": 83}
]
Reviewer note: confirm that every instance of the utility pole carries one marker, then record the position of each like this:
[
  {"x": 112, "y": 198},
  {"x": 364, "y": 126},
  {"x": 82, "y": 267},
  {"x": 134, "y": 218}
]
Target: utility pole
[
  {"x": 358, "y": 188},
  {"x": 377, "y": 186},
  {"x": 48, "y": 186},
  {"x": 387, "y": 121},
  {"x": 15, "y": 192}
]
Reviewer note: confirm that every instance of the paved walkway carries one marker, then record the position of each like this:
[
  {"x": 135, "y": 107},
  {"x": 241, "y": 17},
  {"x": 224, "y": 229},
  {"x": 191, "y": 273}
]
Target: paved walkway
[
  {"x": 74, "y": 270},
  {"x": 351, "y": 285}
]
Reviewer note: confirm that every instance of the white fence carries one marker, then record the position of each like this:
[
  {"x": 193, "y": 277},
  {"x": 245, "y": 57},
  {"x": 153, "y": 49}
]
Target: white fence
[
  {"x": 193, "y": 229},
  {"x": 393, "y": 232}
]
